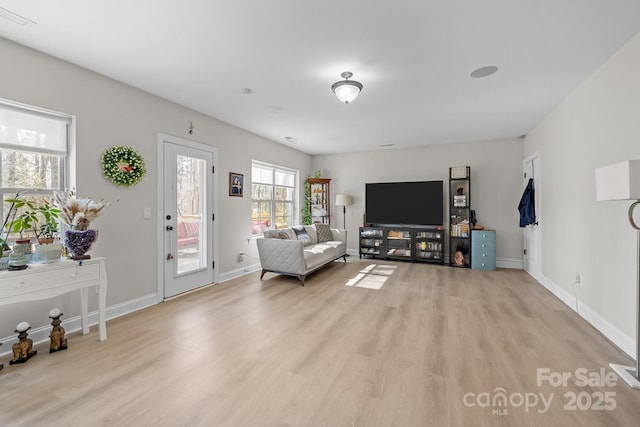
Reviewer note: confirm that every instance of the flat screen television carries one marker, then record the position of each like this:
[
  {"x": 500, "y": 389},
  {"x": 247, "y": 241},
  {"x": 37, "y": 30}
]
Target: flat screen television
[{"x": 404, "y": 203}]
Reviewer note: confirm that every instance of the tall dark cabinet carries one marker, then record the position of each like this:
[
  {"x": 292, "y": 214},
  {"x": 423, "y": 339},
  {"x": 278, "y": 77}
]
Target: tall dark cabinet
[{"x": 460, "y": 216}]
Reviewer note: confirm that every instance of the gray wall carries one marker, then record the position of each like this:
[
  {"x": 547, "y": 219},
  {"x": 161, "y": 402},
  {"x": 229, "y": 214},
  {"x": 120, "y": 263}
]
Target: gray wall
[
  {"x": 496, "y": 183},
  {"x": 597, "y": 125},
  {"x": 109, "y": 113}
]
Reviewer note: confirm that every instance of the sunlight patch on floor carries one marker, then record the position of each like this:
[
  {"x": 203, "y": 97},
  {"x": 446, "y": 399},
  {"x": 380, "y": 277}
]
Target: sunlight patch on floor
[{"x": 372, "y": 276}]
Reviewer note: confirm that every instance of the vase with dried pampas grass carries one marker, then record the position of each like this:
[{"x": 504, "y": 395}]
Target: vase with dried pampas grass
[{"x": 78, "y": 213}]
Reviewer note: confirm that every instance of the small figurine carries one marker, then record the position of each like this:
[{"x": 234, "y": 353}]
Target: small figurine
[
  {"x": 23, "y": 349},
  {"x": 58, "y": 341},
  {"x": 458, "y": 258}
]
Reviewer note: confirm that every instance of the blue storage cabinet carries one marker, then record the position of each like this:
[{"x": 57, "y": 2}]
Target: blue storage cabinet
[{"x": 483, "y": 249}]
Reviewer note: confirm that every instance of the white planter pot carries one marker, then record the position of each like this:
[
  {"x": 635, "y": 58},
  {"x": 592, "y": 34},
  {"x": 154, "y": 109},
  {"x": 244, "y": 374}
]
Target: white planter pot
[{"x": 49, "y": 252}]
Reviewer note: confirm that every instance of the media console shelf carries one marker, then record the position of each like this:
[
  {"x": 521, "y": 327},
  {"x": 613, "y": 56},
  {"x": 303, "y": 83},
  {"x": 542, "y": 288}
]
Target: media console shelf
[{"x": 417, "y": 244}]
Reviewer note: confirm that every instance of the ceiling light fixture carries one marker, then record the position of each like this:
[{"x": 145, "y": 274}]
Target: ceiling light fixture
[{"x": 346, "y": 90}]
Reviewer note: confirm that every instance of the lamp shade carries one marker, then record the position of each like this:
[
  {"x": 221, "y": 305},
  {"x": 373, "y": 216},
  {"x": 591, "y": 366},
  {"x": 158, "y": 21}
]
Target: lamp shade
[
  {"x": 343, "y": 200},
  {"x": 346, "y": 90},
  {"x": 620, "y": 181}
]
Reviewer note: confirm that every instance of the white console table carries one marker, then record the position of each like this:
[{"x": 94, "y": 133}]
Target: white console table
[{"x": 42, "y": 281}]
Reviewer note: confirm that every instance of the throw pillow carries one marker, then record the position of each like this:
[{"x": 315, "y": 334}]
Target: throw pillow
[
  {"x": 282, "y": 234},
  {"x": 301, "y": 234},
  {"x": 324, "y": 232}
]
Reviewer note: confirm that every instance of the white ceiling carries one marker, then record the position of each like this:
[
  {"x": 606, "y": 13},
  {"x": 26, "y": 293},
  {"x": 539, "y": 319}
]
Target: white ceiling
[{"x": 413, "y": 57}]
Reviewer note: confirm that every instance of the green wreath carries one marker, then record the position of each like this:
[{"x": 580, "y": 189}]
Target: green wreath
[{"x": 123, "y": 166}]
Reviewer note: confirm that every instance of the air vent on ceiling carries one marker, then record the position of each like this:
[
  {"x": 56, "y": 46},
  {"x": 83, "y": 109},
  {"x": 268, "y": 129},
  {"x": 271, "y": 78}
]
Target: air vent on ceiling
[{"x": 15, "y": 18}]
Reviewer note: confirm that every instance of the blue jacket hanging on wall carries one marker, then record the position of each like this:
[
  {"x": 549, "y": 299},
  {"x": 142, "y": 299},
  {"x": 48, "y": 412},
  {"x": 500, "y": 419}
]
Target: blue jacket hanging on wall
[{"x": 527, "y": 206}]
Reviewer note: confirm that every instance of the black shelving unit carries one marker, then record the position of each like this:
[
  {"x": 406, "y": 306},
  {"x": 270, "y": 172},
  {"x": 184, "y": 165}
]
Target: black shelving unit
[
  {"x": 428, "y": 245},
  {"x": 460, "y": 216},
  {"x": 417, "y": 244}
]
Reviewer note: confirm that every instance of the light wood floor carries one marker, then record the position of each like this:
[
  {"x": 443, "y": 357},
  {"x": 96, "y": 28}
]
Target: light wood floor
[{"x": 331, "y": 353}]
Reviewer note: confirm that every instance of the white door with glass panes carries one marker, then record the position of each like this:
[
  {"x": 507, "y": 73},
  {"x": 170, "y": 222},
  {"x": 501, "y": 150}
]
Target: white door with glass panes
[{"x": 187, "y": 219}]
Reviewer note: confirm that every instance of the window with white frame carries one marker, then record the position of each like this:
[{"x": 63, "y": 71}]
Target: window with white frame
[
  {"x": 34, "y": 153},
  {"x": 274, "y": 197}
]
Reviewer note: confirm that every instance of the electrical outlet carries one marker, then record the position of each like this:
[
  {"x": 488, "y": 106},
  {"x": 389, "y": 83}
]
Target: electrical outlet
[
  {"x": 240, "y": 256},
  {"x": 578, "y": 279}
]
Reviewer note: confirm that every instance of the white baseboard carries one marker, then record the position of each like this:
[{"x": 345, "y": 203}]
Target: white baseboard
[
  {"x": 223, "y": 277},
  {"x": 74, "y": 324},
  {"x": 510, "y": 263},
  {"x": 615, "y": 335}
]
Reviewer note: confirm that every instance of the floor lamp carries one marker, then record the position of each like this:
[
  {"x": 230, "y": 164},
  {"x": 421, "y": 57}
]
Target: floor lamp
[
  {"x": 344, "y": 201},
  {"x": 621, "y": 181}
]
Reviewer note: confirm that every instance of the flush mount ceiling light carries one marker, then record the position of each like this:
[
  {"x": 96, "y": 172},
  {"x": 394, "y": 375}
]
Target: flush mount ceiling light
[{"x": 346, "y": 90}]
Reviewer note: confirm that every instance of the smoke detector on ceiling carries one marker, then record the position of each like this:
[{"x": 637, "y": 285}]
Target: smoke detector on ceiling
[{"x": 15, "y": 18}]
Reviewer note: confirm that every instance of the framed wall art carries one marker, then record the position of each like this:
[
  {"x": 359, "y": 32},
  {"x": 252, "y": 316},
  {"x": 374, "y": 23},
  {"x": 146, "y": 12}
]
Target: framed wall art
[{"x": 236, "y": 184}]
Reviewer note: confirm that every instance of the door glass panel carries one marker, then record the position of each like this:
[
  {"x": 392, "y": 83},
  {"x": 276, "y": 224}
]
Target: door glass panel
[{"x": 191, "y": 227}]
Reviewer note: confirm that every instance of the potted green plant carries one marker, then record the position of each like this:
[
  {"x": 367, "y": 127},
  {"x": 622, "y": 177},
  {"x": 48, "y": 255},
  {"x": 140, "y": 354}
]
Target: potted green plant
[
  {"x": 18, "y": 224},
  {"x": 49, "y": 226},
  {"x": 48, "y": 249},
  {"x": 43, "y": 222},
  {"x": 4, "y": 234}
]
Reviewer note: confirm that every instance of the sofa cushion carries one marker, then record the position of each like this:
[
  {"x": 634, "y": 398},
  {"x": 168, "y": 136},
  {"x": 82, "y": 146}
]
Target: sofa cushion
[
  {"x": 324, "y": 232},
  {"x": 271, "y": 234},
  {"x": 340, "y": 247},
  {"x": 284, "y": 234},
  {"x": 302, "y": 234},
  {"x": 312, "y": 257},
  {"x": 313, "y": 234}
]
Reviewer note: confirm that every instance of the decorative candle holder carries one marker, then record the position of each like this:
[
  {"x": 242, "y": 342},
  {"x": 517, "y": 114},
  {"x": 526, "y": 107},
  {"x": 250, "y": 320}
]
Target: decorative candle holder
[
  {"x": 23, "y": 349},
  {"x": 18, "y": 258},
  {"x": 58, "y": 340}
]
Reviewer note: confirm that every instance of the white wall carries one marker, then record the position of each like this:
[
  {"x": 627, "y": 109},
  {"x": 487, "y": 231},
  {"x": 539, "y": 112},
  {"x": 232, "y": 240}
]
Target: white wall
[
  {"x": 110, "y": 113},
  {"x": 496, "y": 183},
  {"x": 597, "y": 125}
]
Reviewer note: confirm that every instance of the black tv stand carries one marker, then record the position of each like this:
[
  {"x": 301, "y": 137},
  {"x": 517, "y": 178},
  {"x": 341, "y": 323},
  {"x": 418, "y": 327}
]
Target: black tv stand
[{"x": 417, "y": 243}]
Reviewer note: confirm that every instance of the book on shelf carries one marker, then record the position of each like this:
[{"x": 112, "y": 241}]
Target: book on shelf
[{"x": 460, "y": 229}]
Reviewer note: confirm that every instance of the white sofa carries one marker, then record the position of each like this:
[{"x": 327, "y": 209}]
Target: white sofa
[{"x": 282, "y": 252}]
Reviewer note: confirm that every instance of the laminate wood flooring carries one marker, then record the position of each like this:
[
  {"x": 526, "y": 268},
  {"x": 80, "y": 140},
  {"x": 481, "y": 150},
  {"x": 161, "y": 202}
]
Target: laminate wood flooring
[{"x": 366, "y": 343}]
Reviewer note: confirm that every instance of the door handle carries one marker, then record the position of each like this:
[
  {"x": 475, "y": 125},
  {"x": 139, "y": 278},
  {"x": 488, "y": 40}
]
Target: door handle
[{"x": 169, "y": 227}]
